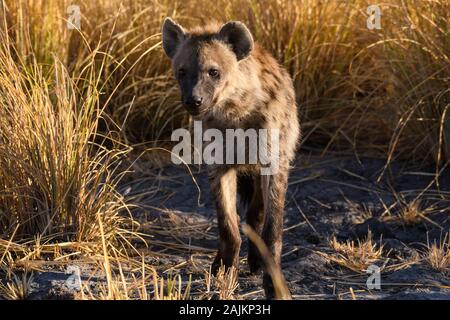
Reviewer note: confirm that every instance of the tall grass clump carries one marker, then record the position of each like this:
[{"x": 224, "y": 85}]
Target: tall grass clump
[
  {"x": 141, "y": 101},
  {"x": 417, "y": 53},
  {"x": 371, "y": 92},
  {"x": 54, "y": 180}
]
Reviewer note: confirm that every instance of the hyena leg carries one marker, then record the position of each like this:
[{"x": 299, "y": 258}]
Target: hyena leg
[
  {"x": 255, "y": 219},
  {"x": 223, "y": 187},
  {"x": 274, "y": 193}
]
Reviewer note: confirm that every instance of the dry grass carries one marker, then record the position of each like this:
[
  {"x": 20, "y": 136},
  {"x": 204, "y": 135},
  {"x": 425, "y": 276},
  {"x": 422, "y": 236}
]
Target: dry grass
[
  {"x": 143, "y": 287},
  {"x": 437, "y": 255},
  {"x": 356, "y": 256},
  {"x": 17, "y": 287},
  {"x": 414, "y": 212},
  {"x": 223, "y": 285},
  {"x": 381, "y": 92},
  {"x": 56, "y": 181},
  {"x": 75, "y": 104},
  {"x": 411, "y": 213}
]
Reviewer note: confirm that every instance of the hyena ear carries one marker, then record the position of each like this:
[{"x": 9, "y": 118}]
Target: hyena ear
[
  {"x": 237, "y": 35},
  {"x": 172, "y": 35}
]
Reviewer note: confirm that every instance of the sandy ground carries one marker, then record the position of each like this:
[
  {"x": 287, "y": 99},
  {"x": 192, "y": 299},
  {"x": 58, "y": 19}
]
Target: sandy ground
[{"x": 338, "y": 197}]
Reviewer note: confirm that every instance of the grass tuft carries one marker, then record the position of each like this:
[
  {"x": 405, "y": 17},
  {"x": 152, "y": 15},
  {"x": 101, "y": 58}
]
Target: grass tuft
[
  {"x": 356, "y": 256},
  {"x": 437, "y": 255}
]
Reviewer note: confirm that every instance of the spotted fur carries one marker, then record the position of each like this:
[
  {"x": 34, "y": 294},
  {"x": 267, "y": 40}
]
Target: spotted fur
[{"x": 251, "y": 91}]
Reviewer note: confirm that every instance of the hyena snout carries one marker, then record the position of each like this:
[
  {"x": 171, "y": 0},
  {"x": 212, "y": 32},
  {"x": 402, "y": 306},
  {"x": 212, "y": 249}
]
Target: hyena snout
[
  {"x": 193, "y": 101},
  {"x": 195, "y": 105}
]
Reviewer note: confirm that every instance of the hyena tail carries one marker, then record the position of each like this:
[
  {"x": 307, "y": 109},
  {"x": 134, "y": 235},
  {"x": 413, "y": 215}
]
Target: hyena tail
[{"x": 245, "y": 189}]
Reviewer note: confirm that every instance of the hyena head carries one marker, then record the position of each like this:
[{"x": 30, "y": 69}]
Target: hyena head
[{"x": 205, "y": 62}]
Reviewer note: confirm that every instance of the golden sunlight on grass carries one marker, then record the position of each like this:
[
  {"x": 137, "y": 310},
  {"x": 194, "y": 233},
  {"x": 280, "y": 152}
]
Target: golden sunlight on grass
[
  {"x": 16, "y": 287},
  {"x": 379, "y": 91},
  {"x": 437, "y": 255},
  {"x": 223, "y": 286},
  {"x": 76, "y": 106},
  {"x": 412, "y": 213},
  {"x": 55, "y": 180},
  {"x": 356, "y": 256}
]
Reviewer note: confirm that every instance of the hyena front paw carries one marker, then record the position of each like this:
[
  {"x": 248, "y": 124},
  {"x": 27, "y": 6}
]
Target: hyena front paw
[
  {"x": 254, "y": 260},
  {"x": 226, "y": 262},
  {"x": 269, "y": 289}
]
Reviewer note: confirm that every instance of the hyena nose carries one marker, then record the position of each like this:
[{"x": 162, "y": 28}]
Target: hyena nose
[{"x": 195, "y": 101}]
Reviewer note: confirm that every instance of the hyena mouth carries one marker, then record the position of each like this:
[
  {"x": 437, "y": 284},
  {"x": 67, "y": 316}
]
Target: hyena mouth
[{"x": 195, "y": 111}]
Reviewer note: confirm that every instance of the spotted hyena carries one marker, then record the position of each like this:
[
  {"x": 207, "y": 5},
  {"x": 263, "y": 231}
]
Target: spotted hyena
[{"x": 230, "y": 82}]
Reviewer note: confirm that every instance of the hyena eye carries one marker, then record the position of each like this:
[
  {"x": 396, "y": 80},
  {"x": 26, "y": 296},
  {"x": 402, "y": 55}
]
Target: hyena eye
[
  {"x": 214, "y": 73},
  {"x": 181, "y": 73}
]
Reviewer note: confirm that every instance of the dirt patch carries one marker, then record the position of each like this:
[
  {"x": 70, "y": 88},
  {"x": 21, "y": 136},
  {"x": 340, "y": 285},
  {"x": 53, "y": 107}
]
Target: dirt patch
[{"x": 340, "y": 199}]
